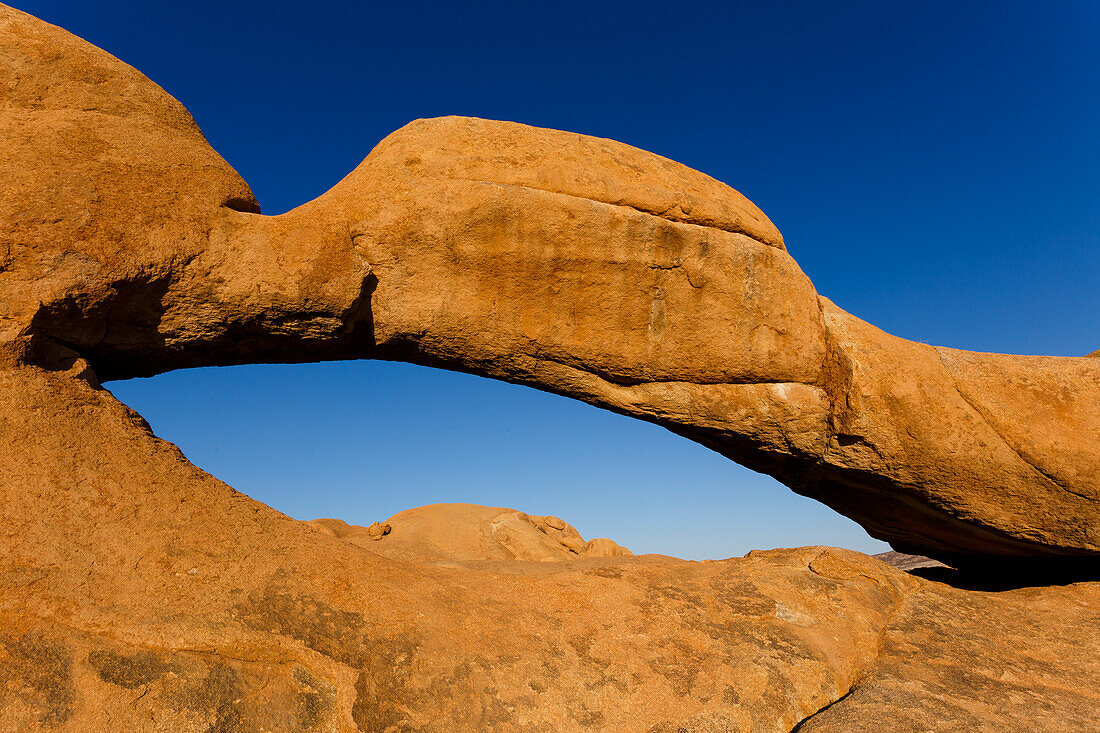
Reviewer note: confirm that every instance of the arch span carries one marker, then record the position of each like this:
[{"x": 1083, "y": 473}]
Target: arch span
[{"x": 573, "y": 264}]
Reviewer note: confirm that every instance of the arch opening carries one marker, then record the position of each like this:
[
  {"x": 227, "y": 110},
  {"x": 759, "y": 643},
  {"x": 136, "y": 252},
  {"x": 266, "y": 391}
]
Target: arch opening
[{"x": 363, "y": 440}]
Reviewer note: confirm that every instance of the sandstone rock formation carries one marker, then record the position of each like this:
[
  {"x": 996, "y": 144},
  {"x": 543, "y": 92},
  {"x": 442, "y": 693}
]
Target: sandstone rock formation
[
  {"x": 139, "y": 593},
  {"x": 574, "y": 264},
  {"x": 472, "y": 532}
]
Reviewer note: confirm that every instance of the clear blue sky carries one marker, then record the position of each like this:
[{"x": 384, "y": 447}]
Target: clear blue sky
[{"x": 934, "y": 167}]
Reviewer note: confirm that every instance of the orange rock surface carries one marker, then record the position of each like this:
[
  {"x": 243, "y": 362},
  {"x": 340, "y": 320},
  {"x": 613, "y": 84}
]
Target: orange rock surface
[{"x": 139, "y": 593}]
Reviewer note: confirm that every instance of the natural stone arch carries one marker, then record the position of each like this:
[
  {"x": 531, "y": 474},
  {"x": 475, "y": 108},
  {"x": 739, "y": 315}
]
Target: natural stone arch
[
  {"x": 573, "y": 264},
  {"x": 138, "y": 592}
]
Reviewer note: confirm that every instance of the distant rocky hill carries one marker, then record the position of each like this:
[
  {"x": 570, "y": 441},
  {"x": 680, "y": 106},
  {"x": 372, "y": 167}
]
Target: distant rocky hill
[{"x": 472, "y": 532}]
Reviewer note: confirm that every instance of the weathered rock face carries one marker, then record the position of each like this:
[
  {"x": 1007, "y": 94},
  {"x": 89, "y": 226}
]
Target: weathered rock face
[
  {"x": 139, "y": 593},
  {"x": 1003, "y": 648},
  {"x": 108, "y": 188},
  {"x": 574, "y": 264}
]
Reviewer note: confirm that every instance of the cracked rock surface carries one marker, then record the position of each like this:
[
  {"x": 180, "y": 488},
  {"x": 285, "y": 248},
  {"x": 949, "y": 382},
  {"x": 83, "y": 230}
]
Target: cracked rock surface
[{"x": 139, "y": 593}]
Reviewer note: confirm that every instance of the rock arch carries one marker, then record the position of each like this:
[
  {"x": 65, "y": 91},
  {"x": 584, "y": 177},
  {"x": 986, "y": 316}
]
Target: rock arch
[
  {"x": 570, "y": 263},
  {"x": 137, "y": 591}
]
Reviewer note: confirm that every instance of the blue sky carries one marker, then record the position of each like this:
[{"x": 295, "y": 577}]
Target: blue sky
[{"x": 934, "y": 167}]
